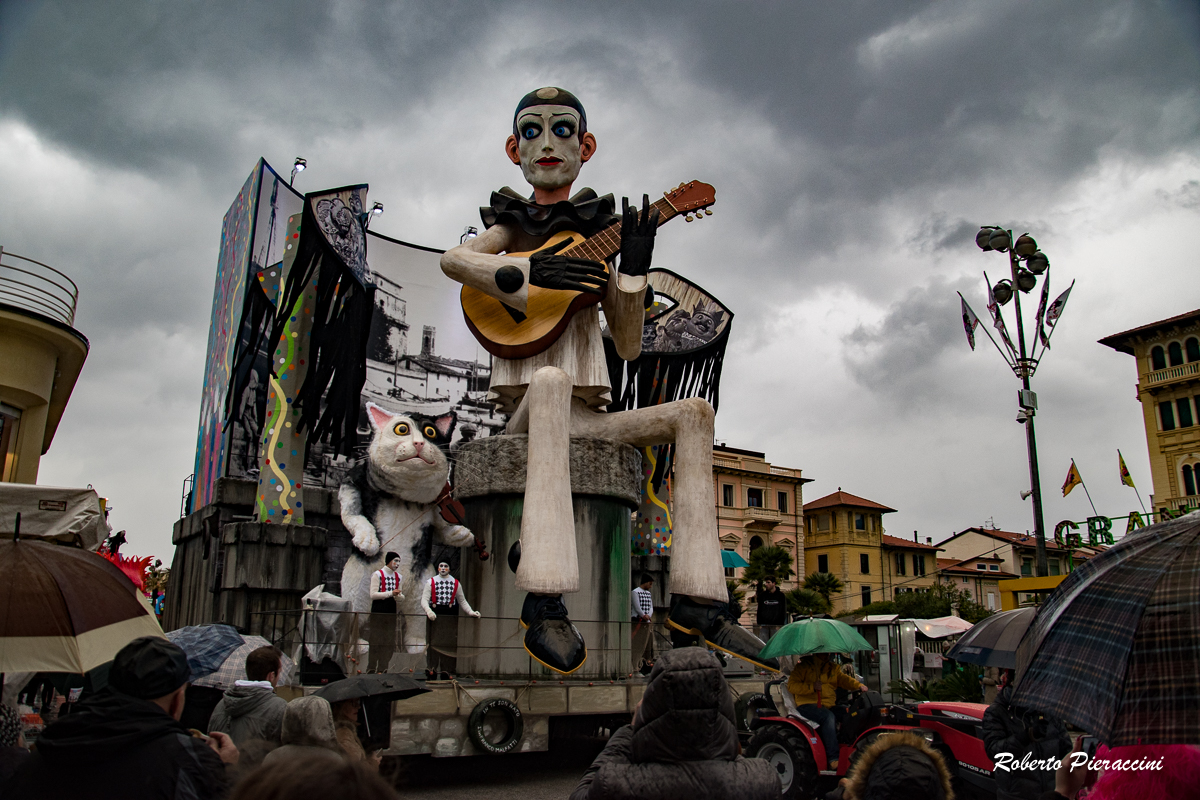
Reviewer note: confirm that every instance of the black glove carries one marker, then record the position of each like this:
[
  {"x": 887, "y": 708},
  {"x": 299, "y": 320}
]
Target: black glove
[
  {"x": 637, "y": 236},
  {"x": 551, "y": 271}
]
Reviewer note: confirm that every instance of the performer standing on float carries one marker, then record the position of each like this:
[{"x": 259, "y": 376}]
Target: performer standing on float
[
  {"x": 385, "y": 591},
  {"x": 563, "y": 390}
]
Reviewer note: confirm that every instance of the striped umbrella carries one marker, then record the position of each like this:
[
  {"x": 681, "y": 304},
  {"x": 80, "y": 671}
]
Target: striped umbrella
[
  {"x": 993, "y": 642},
  {"x": 1116, "y": 648},
  {"x": 63, "y": 609}
]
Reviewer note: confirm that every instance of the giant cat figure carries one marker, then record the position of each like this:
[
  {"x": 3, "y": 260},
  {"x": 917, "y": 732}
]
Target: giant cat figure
[{"x": 389, "y": 503}]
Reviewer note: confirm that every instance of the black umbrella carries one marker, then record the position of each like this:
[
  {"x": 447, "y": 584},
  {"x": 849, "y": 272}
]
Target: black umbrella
[
  {"x": 993, "y": 642},
  {"x": 385, "y": 686}
]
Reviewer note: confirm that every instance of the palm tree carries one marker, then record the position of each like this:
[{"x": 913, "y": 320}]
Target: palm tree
[
  {"x": 825, "y": 584},
  {"x": 765, "y": 561},
  {"x": 806, "y": 602}
]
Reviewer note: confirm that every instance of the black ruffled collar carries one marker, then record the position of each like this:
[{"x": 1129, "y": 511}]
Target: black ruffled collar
[{"x": 584, "y": 213}]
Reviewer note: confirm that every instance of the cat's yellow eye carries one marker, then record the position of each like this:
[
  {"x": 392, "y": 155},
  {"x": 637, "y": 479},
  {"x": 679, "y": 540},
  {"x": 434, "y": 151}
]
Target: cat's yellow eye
[
  {"x": 429, "y": 432},
  {"x": 401, "y": 429}
]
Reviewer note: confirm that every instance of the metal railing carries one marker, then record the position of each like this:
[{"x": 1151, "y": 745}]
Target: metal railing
[
  {"x": 344, "y": 638},
  {"x": 37, "y": 287}
]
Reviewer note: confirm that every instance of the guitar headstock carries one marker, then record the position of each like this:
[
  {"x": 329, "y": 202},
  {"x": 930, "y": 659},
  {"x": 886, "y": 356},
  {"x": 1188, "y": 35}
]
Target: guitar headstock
[{"x": 691, "y": 198}]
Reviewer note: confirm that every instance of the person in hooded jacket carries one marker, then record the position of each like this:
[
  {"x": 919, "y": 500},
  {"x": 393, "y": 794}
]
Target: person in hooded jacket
[
  {"x": 250, "y": 709},
  {"x": 1011, "y": 729},
  {"x": 682, "y": 744},
  {"x": 899, "y": 767},
  {"x": 126, "y": 740},
  {"x": 308, "y": 732}
]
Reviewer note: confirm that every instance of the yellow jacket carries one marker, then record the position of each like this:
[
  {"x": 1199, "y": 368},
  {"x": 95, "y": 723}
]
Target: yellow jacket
[{"x": 809, "y": 672}]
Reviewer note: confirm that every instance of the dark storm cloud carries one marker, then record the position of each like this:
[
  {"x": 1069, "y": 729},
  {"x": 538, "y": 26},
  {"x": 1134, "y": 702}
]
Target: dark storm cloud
[{"x": 901, "y": 357}]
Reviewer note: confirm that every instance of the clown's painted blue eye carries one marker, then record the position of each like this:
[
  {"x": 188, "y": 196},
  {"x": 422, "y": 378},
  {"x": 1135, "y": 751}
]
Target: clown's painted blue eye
[
  {"x": 531, "y": 131},
  {"x": 563, "y": 130}
]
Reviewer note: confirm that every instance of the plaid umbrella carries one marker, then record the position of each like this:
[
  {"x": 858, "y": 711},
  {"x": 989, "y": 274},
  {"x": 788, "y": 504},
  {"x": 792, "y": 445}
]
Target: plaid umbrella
[
  {"x": 1116, "y": 648},
  {"x": 993, "y": 642},
  {"x": 206, "y": 646},
  {"x": 234, "y": 667}
]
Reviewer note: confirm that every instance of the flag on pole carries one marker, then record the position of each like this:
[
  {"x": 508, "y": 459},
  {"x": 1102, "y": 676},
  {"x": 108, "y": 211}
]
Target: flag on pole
[
  {"x": 1056, "y": 309},
  {"x": 1126, "y": 478},
  {"x": 1073, "y": 479},
  {"x": 970, "y": 321},
  {"x": 998, "y": 321},
  {"x": 1041, "y": 311}
]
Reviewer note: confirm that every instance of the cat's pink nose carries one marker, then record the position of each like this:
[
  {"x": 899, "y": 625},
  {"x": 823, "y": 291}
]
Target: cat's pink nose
[{"x": 418, "y": 446}]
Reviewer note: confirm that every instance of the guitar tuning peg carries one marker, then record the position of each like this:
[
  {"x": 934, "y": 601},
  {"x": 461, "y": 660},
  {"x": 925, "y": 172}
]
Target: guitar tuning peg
[
  {"x": 708, "y": 211},
  {"x": 688, "y": 218}
]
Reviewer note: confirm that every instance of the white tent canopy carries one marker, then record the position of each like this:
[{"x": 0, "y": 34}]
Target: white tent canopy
[{"x": 54, "y": 512}]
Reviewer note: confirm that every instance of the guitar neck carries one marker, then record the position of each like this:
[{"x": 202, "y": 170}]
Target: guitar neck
[{"x": 607, "y": 243}]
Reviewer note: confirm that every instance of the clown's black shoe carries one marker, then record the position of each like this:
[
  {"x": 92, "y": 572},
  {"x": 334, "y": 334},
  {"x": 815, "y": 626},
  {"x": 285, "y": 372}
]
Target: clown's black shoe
[
  {"x": 707, "y": 622},
  {"x": 550, "y": 638}
]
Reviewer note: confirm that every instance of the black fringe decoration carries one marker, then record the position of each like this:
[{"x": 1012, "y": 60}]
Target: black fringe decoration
[
  {"x": 655, "y": 378},
  {"x": 337, "y": 350}
]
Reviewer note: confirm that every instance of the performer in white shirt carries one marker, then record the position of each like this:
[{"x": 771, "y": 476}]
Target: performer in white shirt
[
  {"x": 444, "y": 595},
  {"x": 385, "y": 591}
]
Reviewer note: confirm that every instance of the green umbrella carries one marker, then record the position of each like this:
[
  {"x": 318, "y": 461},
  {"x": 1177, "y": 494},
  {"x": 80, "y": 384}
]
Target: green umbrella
[
  {"x": 730, "y": 559},
  {"x": 814, "y": 636}
]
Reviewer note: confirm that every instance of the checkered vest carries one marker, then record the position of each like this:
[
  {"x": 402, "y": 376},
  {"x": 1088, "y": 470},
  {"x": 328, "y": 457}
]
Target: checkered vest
[{"x": 442, "y": 591}]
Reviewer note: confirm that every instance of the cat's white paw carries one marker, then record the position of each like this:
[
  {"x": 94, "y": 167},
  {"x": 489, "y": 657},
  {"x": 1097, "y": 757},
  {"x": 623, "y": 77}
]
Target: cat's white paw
[
  {"x": 431, "y": 615},
  {"x": 362, "y": 535}
]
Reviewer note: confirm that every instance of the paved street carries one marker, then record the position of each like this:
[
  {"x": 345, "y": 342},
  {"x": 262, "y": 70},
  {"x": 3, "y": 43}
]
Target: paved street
[{"x": 526, "y": 776}]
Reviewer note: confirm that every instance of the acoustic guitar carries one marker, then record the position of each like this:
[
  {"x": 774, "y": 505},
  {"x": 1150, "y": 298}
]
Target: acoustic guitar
[{"x": 508, "y": 333}]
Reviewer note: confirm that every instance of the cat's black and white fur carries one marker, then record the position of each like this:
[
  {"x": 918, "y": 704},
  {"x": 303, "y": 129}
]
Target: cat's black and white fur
[{"x": 389, "y": 503}]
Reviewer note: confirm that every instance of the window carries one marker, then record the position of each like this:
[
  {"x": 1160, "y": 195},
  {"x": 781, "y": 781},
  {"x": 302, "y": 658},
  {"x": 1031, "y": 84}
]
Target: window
[
  {"x": 822, "y": 522},
  {"x": 1192, "y": 346},
  {"x": 755, "y": 543},
  {"x": 754, "y": 498},
  {"x": 991, "y": 601},
  {"x": 1184, "y": 405},
  {"x": 727, "y": 494},
  {"x": 918, "y": 564},
  {"x": 729, "y": 573},
  {"x": 1175, "y": 354},
  {"x": 860, "y": 522},
  {"x": 781, "y": 501},
  {"x": 899, "y": 563},
  {"x": 994, "y": 567},
  {"x": 966, "y": 580},
  {"x": 866, "y": 595},
  {"x": 822, "y": 563},
  {"x": 1054, "y": 566},
  {"x": 1027, "y": 566},
  {"x": 1189, "y": 480},
  {"x": 10, "y": 420},
  {"x": 981, "y": 566},
  {"x": 1167, "y": 412},
  {"x": 1157, "y": 359},
  {"x": 864, "y": 564}
]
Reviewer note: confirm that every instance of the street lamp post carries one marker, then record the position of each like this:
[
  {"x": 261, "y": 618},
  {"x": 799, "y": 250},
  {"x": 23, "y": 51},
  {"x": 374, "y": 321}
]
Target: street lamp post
[{"x": 1025, "y": 264}]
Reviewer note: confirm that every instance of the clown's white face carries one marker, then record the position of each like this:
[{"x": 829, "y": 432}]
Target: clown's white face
[
  {"x": 443, "y": 569},
  {"x": 548, "y": 147}
]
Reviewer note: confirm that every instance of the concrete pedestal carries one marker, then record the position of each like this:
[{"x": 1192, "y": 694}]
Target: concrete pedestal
[{"x": 605, "y": 488}]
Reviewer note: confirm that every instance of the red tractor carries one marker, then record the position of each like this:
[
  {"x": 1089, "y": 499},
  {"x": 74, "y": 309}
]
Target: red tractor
[{"x": 791, "y": 743}]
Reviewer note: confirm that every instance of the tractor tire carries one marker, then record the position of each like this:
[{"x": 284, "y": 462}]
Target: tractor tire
[
  {"x": 786, "y": 749},
  {"x": 748, "y": 707}
]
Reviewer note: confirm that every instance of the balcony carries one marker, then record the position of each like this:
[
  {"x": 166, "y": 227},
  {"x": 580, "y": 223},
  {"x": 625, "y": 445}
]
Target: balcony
[
  {"x": 38, "y": 288},
  {"x": 768, "y": 517},
  {"x": 1172, "y": 373},
  {"x": 1185, "y": 504}
]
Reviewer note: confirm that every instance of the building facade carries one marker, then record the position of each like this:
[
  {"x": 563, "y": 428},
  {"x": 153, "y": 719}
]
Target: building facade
[
  {"x": 758, "y": 505},
  {"x": 1167, "y": 354},
  {"x": 1014, "y": 553},
  {"x": 907, "y": 566},
  {"x": 978, "y": 576},
  {"x": 845, "y": 537}
]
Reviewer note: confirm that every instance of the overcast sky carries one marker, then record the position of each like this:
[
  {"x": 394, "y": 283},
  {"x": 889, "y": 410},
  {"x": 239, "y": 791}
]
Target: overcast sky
[{"x": 856, "y": 148}]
